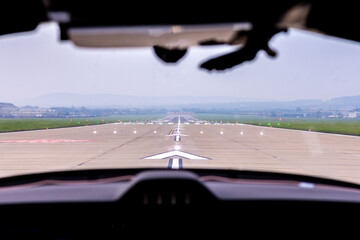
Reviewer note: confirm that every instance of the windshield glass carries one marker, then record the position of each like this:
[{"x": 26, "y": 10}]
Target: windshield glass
[{"x": 64, "y": 107}]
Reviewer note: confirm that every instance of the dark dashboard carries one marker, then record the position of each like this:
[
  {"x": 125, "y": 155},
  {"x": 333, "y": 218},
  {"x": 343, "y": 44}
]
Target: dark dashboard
[{"x": 175, "y": 205}]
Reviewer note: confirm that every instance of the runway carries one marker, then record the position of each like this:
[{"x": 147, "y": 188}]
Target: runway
[{"x": 168, "y": 143}]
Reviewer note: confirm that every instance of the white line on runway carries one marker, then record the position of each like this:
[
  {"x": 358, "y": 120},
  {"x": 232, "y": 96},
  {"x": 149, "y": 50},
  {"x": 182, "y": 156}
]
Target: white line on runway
[
  {"x": 56, "y": 129},
  {"x": 298, "y": 130},
  {"x": 175, "y": 163},
  {"x": 176, "y": 153}
]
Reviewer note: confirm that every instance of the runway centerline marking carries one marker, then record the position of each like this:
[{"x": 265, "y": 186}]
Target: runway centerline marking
[{"x": 175, "y": 163}]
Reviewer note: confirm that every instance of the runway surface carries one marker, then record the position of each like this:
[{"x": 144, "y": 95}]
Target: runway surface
[{"x": 189, "y": 143}]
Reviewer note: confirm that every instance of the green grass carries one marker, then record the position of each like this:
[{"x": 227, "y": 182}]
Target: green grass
[
  {"x": 339, "y": 126},
  {"x": 227, "y": 117},
  {"x": 13, "y": 125}
]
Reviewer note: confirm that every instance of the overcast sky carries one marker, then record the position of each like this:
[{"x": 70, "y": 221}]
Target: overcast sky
[{"x": 309, "y": 66}]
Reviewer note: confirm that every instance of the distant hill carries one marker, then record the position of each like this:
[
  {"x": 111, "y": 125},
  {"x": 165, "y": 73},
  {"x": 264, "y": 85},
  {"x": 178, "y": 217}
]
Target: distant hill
[
  {"x": 7, "y": 105},
  {"x": 112, "y": 100},
  {"x": 121, "y": 101},
  {"x": 350, "y": 101}
]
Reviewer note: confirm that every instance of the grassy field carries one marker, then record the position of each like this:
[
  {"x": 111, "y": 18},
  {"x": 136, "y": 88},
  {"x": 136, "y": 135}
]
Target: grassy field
[
  {"x": 226, "y": 117},
  {"x": 12, "y": 125},
  {"x": 340, "y": 126}
]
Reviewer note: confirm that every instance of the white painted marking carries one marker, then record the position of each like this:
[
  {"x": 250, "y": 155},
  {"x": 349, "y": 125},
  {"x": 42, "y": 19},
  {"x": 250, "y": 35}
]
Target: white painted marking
[
  {"x": 261, "y": 133},
  {"x": 177, "y": 147},
  {"x": 47, "y": 141},
  {"x": 184, "y": 135},
  {"x": 177, "y": 138},
  {"x": 176, "y": 153},
  {"x": 241, "y": 133},
  {"x": 135, "y": 132},
  {"x": 155, "y": 131},
  {"x": 94, "y": 132},
  {"x": 221, "y": 132},
  {"x": 175, "y": 163},
  {"x": 115, "y": 132},
  {"x": 201, "y": 132}
]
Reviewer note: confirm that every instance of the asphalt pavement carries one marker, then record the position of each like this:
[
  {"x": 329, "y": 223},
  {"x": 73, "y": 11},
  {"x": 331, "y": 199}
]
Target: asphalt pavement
[{"x": 188, "y": 143}]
